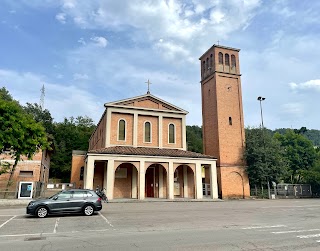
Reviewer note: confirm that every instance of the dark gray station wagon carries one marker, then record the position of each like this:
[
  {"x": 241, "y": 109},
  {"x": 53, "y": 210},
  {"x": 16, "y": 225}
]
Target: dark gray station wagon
[{"x": 69, "y": 201}]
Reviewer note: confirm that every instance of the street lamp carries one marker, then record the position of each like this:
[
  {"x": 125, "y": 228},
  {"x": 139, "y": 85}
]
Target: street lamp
[{"x": 261, "y": 99}]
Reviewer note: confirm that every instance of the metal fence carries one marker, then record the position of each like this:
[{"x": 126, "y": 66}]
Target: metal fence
[{"x": 282, "y": 191}]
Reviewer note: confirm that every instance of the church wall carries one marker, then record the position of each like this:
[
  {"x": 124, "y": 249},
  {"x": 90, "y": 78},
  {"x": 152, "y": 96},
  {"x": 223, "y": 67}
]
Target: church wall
[
  {"x": 78, "y": 160},
  {"x": 165, "y": 132},
  {"x": 234, "y": 182},
  {"x": 115, "y": 117},
  {"x": 210, "y": 124},
  {"x": 154, "y": 131},
  {"x": 231, "y": 144},
  {"x": 122, "y": 186},
  {"x": 146, "y": 104},
  {"x": 98, "y": 138}
]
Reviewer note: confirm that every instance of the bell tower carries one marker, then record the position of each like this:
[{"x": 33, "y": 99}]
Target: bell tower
[{"x": 222, "y": 119}]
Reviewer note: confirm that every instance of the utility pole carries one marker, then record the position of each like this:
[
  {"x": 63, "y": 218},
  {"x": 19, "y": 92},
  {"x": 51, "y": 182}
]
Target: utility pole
[{"x": 42, "y": 98}]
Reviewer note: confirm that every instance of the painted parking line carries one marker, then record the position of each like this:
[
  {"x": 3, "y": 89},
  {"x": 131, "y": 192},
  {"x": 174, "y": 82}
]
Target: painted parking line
[
  {"x": 43, "y": 234},
  {"x": 7, "y": 221},
  {"x": 106, "y": 220},
  {"x": 263, "y": 227},
  {"x": 296, "y": 231},
  {"x": 308, "y": 236},
  {"x": 56, "y": 225}
]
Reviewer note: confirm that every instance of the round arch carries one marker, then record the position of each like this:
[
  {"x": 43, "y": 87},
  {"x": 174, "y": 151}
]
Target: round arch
[
  {"x": 184, "y": 182},
  {"x": 126, "y": 181},
  {"x": 156, "y": 181}
]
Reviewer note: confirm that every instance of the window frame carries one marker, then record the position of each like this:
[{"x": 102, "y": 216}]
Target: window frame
[
  {"x": 125, "y": 130},
  {"x": 174, "y": 133},
  {"x": 144, "y": 132}
]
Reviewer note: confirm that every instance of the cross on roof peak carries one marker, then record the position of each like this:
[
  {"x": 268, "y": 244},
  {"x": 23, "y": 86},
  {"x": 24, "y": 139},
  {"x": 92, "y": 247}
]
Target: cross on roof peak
[{"x": 149, "y": 83}]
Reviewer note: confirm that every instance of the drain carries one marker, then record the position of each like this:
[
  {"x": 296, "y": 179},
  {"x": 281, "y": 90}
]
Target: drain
[{"x": 39, "y": 238}]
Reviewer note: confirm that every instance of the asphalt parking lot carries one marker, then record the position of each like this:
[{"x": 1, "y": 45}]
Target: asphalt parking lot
[{"x": 229, "y": 225}]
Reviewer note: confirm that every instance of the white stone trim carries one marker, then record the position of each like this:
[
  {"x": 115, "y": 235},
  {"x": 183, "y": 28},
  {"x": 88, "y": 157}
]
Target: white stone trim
[
  {"x": 108, "y": 128},
  {"x": 185, "y": 182},
  {"x": 184, "y": 134},
  {"x": 142, "y": 175},
  {"x": 135, "y": 129},
  {"x": 160, "y": 130}
]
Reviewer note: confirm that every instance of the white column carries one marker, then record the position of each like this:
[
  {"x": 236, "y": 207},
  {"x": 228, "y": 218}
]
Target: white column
[
  {"x": 184, "y": 133},
  {"x": 213, "y": 180},
  {"x": 142, "y": 180},
  {"x": 105, "y": 183},
  {"x": 134, "y": 183},
  {"x": 199, "y": 193},
  {"x": 160, "y": 131},
  {"x": 135, "y": 129},
  {"x": 185, "y": 182},
  {"x": 110, "y": 179},
  {"x": 88, "y": 183},
  {"x": 170, "y": 181},
  {"x": 108, "y": 128},
  {"x": 160, "y": 182}
]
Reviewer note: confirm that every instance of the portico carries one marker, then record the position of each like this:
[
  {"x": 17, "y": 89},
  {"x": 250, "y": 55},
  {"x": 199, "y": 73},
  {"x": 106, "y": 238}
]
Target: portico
[{"x": 140, "y": 177}]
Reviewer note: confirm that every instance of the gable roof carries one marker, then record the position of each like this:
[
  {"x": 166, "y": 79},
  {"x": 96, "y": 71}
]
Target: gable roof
[
  {"x": 151, "y": 99},
  {"x": 148, "y": 151}
]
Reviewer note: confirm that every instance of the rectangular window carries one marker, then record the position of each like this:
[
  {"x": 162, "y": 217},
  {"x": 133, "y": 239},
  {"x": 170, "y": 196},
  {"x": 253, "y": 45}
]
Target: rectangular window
[{"x": 26, "y": 173}]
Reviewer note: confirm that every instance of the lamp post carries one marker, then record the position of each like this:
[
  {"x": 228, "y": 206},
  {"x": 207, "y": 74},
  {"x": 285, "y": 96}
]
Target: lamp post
[{"x": 260, "y": 99}]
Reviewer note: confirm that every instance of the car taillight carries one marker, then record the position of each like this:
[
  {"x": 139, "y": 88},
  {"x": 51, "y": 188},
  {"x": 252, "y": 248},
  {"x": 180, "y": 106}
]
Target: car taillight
[{"x": 99, "y": 199}]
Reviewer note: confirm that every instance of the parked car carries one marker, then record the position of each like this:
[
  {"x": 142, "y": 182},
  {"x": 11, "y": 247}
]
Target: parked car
[{"x": 67, "y": 201}]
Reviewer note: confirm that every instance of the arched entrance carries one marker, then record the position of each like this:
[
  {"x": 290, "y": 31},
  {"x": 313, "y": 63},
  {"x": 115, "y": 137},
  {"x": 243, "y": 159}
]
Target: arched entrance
[
  {"x": 126, "y": 181},
  {"x": 184, "y": 183},
  {"x": 237, "y": 190},
  {"x": 156, "y": 181}
]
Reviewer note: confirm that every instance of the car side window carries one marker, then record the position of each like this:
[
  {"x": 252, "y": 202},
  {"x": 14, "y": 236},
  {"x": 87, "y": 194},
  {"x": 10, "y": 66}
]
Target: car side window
[
  {"x": 88, "y": 194},
  {"x": 64, "y": 195},
  {"x": 79, "y": 195}
]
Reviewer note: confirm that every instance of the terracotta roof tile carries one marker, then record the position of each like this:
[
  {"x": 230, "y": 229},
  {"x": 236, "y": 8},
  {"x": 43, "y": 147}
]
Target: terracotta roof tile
[{"x": 147, "y": 151}]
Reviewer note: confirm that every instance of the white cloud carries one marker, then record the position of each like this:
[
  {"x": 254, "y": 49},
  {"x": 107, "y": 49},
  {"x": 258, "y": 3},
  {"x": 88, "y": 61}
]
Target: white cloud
[
  {"x": 79, "y": 76},
  {"x": 61, "y": 17},
  {"x": 99, "y": 41},
  {"x": 308, "y": 85},
  {"x": 82, "y": 41},
  {"x": 61, "y": 100}
]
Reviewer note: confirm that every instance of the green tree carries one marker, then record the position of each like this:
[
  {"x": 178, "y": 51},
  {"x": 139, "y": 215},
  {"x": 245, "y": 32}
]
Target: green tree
[
  {"x": 194, "y": 139},
  {"x": 263, "y": 155},
  {"x": 299, "y": 152},
  {"x": 5, "y": 95},
  {"x": 71, "y": 134},
  {"x": 42, "y": 116},
  {"x": 20, "y": 135}
]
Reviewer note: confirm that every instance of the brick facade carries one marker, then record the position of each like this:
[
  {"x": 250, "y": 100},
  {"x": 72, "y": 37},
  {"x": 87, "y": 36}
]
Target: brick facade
[{"x": 223, "y": 125}]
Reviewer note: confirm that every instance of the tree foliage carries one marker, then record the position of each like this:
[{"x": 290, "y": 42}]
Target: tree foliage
[
  {"x": 194, "y": 139},
  {"x": 71, "y": 134},
  {"x": 20, "y": 134},
  {"x": 263, "y": 155},
  {"x": 299, "y": 152}
]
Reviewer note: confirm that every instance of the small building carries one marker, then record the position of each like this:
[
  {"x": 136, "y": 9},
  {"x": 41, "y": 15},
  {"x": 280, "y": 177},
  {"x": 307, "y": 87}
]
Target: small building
[
  {"x": 138, "y": 150},
  {"x": 35, "y": 171}
]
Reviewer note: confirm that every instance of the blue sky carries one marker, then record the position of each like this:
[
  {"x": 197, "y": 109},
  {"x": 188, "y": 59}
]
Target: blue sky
[{"x": 87, "y": 53}]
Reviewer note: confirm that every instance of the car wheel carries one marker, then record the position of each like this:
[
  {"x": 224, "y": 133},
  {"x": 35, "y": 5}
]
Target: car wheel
[
  {"x": 88, "y": 210},
  {"x": 42, "y": 212}
]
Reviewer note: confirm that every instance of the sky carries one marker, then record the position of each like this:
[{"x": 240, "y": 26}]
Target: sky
[{"x": 87, "y": 53}]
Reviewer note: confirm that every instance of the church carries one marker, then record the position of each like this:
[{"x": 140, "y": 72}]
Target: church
[{"x": 138, "y": 149}]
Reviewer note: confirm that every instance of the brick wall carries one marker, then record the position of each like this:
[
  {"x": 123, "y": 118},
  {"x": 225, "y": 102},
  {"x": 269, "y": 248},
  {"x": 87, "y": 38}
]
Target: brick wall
[
  {"x": 178, "y": 131},
  {"x": 115, "y": 117},
  {"x": 154, "y": 130}
]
